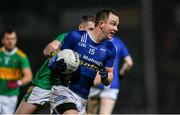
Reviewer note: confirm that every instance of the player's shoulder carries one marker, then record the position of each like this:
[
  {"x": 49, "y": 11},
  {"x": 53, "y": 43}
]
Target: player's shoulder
[
  {"x": 61, "y": 37},
  {"x": 20, "y": 53},
  {"x": 117, "y": 42},
  {"x": 77, "y": 32},
  {"x": 76, "y": 35},
  {"x": 110, "y": 48},
  {"x": 116, "y": 39},
  {"x": 109, "y": 45}
]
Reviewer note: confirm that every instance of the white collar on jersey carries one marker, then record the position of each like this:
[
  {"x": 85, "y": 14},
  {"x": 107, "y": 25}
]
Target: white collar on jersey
[
  {"x": 11, "y": 52},
  {"x": 91, "y": 37}
]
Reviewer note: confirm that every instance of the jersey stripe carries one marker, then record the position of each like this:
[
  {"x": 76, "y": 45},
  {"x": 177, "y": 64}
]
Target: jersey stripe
[
  {"x": 9, "y": 73},
  {"x": 20, "y": 53}
]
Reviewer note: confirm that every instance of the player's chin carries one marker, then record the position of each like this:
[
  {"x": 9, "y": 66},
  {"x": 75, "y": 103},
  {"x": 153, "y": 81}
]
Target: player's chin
[{"x": 110, "y": 36}]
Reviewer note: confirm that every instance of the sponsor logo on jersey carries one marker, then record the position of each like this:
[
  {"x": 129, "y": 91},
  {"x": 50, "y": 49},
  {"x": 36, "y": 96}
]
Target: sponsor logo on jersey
[
  {"x": 15, "y": 62},
  {"x": 102, "y": 52},
  {"x": 88, "y": 65},
  {"x": 82, "y": 44},
  {"x": 92, "y": 60}
]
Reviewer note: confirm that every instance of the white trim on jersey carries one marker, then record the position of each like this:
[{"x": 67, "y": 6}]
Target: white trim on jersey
[
  {"x": 92, "y": 38},
  {"x": 84, "y": 38},
  {"x": 11, "y": 52}
]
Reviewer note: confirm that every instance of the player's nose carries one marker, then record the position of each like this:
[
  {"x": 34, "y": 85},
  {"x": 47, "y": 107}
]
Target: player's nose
[{"x": 116, "y": 28}]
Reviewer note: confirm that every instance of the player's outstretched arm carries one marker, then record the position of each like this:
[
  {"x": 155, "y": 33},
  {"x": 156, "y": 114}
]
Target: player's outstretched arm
[{"x": 52, "y": 46}]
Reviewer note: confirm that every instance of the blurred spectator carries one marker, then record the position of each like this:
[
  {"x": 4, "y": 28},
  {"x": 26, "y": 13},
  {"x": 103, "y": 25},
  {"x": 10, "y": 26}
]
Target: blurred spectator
[{"x": 15, "y": 71}]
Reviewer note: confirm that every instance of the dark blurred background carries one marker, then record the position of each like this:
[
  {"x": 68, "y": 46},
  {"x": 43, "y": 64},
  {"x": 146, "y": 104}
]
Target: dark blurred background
[{"x": 149, "y": 28}]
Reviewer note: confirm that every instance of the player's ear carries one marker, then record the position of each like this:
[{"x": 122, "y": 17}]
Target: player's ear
[
  {"x": 101, "y": 24},
  {"x": 2, "y": 40},
  {"x": 81, "y": 27}
]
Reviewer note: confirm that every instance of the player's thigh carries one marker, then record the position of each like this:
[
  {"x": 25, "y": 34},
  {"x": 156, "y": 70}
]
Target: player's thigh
[
  {"x": 93, "y": 105},
  {"x": 66, "y": 108},
  {"x": 27, "y": 108},
  {"x": 106, "y": 105},
  {"x": 108, "y": 100},
  {"x": 93, "y": 100}
]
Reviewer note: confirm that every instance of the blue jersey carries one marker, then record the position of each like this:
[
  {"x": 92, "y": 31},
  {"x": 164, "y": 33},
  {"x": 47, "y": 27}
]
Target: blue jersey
[
  {"x": 91, "y": 55},
  {"x": 121, "y": 52}
]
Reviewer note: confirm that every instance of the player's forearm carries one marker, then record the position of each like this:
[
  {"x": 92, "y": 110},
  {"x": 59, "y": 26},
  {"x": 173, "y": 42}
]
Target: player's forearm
[
  {"x": 97, "y": 79},
  {"x": 125, "y": 68},
  {"x": 27, "y": 77},
  {"x": 48, "y": 49},
  {"x": 127, "y": 65},
  {"x": 54, "y": 45}
]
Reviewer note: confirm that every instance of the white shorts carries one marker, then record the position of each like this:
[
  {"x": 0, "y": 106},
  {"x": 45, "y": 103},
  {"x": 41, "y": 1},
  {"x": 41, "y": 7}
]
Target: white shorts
[
  {"x": 61, "y": 95},
  {"x": 106, "y": 92},
  {"x": 7, "y": 104},
  {"x": 37, "y": 95}
]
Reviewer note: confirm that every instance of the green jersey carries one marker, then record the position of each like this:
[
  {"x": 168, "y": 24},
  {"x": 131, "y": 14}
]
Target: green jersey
[
  {"x": 43, "y": 76},
  {"x": 11, "y": 65}
]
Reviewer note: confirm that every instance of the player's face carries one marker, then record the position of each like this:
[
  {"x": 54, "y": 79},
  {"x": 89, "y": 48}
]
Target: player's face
[
  {"x": 9, "y": 40},
  {"x": 89, "y": 26},
  {"x": 111, "y": 26}
]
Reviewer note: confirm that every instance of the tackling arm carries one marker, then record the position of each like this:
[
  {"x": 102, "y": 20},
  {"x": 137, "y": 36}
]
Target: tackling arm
[{"x": 52, "y": 46}]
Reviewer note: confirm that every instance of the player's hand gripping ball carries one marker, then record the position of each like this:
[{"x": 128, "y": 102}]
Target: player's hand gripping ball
[{"x": 66, "y": 61}]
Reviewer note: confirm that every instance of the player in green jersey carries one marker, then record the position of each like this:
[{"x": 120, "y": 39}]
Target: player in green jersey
[
  {"x": 38, "y": 94},
  {"x": 14, "y": 71}
]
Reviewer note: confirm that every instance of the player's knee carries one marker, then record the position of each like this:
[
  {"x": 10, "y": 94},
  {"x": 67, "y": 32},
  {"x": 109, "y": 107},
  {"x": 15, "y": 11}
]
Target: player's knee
[{"x": 68, "y": 108}]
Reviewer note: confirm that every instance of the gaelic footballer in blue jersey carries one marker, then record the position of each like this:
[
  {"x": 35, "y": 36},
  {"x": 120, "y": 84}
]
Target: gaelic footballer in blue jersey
[
  {"x": 38, "y": 95},
  {"x": 95, "y": 50}
]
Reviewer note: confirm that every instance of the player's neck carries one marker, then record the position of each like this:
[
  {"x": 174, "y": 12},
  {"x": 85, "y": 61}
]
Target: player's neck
[
  {"x": 96, "y": 35},
  {"x": 9, "y": 51}
]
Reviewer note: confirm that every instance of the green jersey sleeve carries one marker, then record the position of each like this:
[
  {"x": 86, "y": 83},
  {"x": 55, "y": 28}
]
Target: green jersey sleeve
[
  {"x": 60, "y": 37},
  {"x": 23, "y": 60},
  {"x": 24, "y": 63}
]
